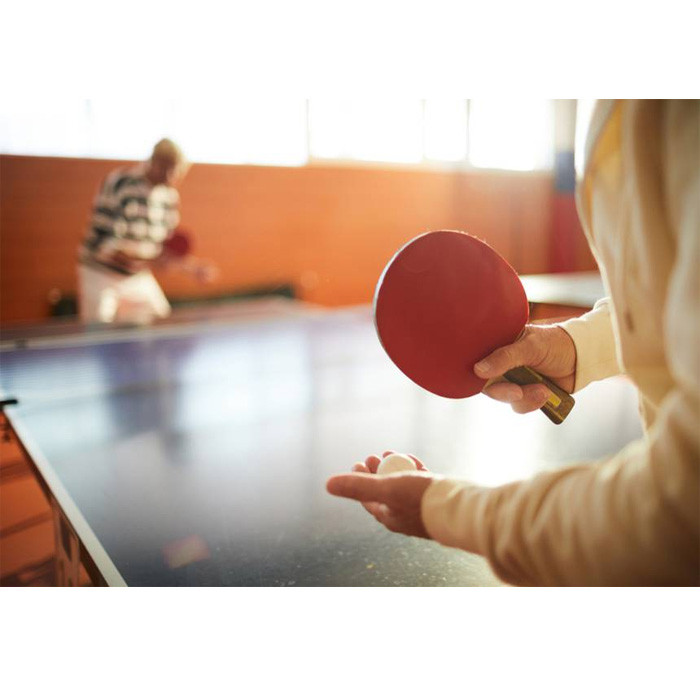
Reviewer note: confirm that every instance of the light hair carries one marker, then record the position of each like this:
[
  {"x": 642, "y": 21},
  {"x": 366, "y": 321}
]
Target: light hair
[{"x": 166, "y": 149}]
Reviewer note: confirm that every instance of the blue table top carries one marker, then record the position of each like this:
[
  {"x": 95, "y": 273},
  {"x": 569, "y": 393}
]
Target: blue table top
[{"x": 198, "y": 454}]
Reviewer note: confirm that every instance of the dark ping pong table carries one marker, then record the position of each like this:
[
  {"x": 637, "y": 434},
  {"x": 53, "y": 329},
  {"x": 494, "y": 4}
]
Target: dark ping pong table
[{"x": 195, "y": 452}]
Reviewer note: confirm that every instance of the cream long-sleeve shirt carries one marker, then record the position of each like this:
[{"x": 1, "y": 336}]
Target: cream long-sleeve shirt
[{"x": 631, "y": 519}]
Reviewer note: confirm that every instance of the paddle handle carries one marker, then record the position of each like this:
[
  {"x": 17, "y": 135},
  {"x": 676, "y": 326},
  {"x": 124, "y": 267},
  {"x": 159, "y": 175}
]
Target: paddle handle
[{"x": 558, "y": 405}]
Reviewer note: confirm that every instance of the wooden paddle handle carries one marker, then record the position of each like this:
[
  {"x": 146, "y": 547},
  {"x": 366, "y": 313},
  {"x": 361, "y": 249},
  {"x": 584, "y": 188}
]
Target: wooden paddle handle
[{"x": 558, "y": 405}]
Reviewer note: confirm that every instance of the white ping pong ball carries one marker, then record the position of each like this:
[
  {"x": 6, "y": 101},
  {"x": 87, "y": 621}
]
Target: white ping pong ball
[{"x": 396, "y": 463}]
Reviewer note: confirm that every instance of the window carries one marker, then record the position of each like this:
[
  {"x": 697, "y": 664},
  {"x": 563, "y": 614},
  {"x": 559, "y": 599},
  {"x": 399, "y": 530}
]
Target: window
[
  {"x": 445, "y": 124},
  {"x": 270, "y": 132},
  {"x": 37, "y": 128},
  {"x": 510, "y": 134},
  {"x": 389, "y": 131},
  {"x": 260, "y": 131},
  {"x": 120, "y": 129}
]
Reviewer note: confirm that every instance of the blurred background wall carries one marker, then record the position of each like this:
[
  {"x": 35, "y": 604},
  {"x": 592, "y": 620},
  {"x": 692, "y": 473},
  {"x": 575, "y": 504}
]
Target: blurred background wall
[{"x": 326, "y": 224}]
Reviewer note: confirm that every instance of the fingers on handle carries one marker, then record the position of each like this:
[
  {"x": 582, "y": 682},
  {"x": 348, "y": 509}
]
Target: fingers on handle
[
  {"x": 523, "y": 399},
  {"x": 534, "y": 397},
  {"x": 501, "y": 360},
  {"x": 504, "y": 391}
]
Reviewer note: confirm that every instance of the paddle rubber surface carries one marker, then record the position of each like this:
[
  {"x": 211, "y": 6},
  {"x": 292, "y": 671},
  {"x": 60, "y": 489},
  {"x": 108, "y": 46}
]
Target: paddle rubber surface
[
  {"x": 179, "y": 244},
  {"x": 444, "y": 302}
]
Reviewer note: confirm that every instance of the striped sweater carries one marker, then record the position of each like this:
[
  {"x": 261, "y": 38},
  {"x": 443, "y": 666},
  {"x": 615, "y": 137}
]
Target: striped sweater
[{"x": 130, "y": 216}]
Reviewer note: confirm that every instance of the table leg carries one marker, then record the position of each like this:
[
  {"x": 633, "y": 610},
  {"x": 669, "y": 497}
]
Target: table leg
[{"x": 67, "y": 549}]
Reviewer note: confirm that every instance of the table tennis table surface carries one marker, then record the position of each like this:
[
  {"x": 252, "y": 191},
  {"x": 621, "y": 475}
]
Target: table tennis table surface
[{"x": 195, "y": 452}]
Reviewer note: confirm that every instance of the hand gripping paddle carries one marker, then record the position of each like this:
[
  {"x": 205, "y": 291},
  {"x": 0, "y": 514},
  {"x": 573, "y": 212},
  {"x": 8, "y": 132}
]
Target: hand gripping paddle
[
  {"x": 445, "y": 301},
  {"x": 178, "y": 244}
]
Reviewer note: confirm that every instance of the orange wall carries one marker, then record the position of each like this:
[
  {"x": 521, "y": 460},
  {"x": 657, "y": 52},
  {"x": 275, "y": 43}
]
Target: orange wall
[{"x": 328, "y": 230}]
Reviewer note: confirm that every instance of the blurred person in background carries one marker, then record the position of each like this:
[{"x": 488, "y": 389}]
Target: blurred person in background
[
  {"x": 135, "y": 211},
  {"x": 632, "y": 518}
]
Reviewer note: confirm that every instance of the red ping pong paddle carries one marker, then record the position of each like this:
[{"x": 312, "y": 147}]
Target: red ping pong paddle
[
  {"x": 178, "y": 244},
  {"x": 445, "y": 301}
]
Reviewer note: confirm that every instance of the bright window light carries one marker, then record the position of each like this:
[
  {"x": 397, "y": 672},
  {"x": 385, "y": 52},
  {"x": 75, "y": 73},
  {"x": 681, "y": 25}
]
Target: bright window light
[
  {"x": 445, "y": 124},
  {"x": 275, "y": 132},
  {"x": 208, "y": 132},
  {"x": 44, "y": 128},
  {"x": 264, "y": 132},
  {"x": 119, "y": 130},
  {"x": 511, "y": 134},
  {"x": 384, "y": 130},
  {"x": 330, "y": 124}
]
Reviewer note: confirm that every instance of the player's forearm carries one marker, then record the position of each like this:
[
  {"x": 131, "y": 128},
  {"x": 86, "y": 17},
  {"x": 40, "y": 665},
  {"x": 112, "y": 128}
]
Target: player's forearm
[{"x": 628, "y": 520}]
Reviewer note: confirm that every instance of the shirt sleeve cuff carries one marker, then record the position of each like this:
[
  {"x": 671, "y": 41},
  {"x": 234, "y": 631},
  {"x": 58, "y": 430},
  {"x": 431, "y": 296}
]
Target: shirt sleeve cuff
[
  {"x": 454, "y": 514},
  {"x": 594, "y": 339}
]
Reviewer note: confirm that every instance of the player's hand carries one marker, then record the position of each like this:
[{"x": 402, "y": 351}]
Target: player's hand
[
  {"x": 121, "y": 259},
  {"x": 548, "y": 350},
  {"x": 205, "y": 272},
  {"x": 393, "y": 499}
]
